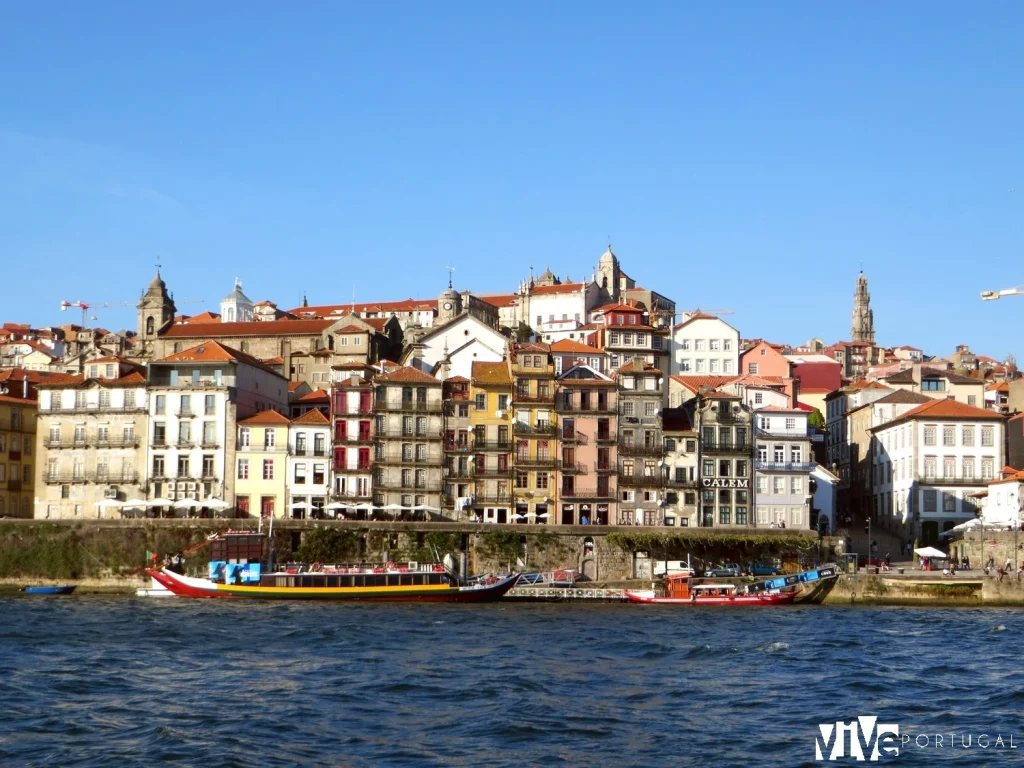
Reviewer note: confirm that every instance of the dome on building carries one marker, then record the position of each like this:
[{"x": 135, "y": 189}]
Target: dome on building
[
  {"x": 236, "y": 294},
  {"x": 608, "y": 256},
  {"x": 157, "y": 287}
]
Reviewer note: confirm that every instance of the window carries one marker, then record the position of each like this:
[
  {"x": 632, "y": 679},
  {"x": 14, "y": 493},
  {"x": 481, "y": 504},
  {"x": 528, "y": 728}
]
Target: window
[
  {"x": 650, "y": 408},
  {"x": 269, "y": 439},
  {"x": 796, "y": 486},
  {"x": 967, "y": 436},
  {"x": 709, "y": 468},
  {"x": 268, "y": 469},
  {"x": 159, "y": 433},
  {"x": 795, "y": 454},
  {"x": 207, "y": 466},
  {"x": 929, "y": 435},
  {"x": 968, "y": 468},
  {"x": 627, "y": 339},
  {"x": 724, "y": 516},
  {"x": 158, "y": 467},
  {"x": 724, "y": 468},
  {"x": 930, "y": 500},
  {"x": 160, "y": 404},
  {"x": 758, "y": 398},
  {"x": 542, "y": 480},
  {"x": 183, "y": 466},
  {"x": 727, "y": 347},
  {"x": 209, "y": 405},
  {"x": 184, "y": 432},
  {"x": 300, "y": 473},
  {"x": 751, "y": 367},
  {"x": 987, "y": 469},
  {"x": 691, "y": 446},
  {"x": 948, "y": 436},
  {"x": 741, "y": 515},
  {"x": 700, "y": 365},
  {"x": 502, "y": 402},
  {"x": 480, "y": 402},
  {"x": 727, "y": 368},
  {"x": 699, "y": 345},
  {"x": 780, "y": 453},
  {"x": 933, "y": 385},
  {"x": 714, "y": 365},
  {"x": 741, "y": 468},
  {"x": 684, "y": 344},
  {"x": 627, "y": 408},
  {"x": 641, "y": 339},
  {"x": 986, "y": 437},
  {"x": 778, "y": 485},
  {"x": 949, "y": 502}
]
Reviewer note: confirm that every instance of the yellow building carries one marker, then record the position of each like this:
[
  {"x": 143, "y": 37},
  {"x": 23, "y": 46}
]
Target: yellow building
[
  {"x": 534, "y": 431},
  {"x": 490, "y": 421},
  {"x": 261, "y": 465},
  {"x": 17, "y": 441}
]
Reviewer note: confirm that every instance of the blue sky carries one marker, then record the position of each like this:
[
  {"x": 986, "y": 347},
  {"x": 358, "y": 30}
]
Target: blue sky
[{"x": 748, "y": 156}]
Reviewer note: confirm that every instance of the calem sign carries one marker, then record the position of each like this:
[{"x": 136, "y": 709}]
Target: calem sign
[{"x": 725, "y": 482}]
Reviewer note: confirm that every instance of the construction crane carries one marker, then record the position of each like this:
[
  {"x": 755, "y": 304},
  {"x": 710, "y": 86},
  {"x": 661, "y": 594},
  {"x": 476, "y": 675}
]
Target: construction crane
[
  {"x": 85, "y": 307},
  {"x": 707, "y": 312},
  {"x": 1017, "y": 290}
]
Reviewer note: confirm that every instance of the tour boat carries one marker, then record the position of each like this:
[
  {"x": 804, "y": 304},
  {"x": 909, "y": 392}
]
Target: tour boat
[
  {"x": 392, "y": 582},
  {"x": 681, "y": 591}
]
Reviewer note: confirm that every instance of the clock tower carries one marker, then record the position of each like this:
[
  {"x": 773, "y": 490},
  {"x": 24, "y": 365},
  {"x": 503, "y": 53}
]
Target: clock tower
[{"x": 449, "y": 305}]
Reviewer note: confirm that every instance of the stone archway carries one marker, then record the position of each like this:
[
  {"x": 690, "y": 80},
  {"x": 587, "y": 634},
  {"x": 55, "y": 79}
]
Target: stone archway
[{"x": 589, "y": 569}]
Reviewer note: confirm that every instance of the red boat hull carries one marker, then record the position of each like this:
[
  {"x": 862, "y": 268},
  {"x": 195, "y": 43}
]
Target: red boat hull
[{"x": 782, "y": 598}]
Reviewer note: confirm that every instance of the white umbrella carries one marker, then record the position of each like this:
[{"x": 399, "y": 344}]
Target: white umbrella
[
  {"x": 518, "y": 517},
  {"x": 187, "y": 504},
  {"x": 109, "y": 503},
  {"x": 425, "y": 508},
  {"x": 336, "y": 505},
  {"x": 930, "y": 552},
  {"x": 393, "y": 508},
  {"x": 135, "y": 504},
  {"x": 159, "y": 503},
  {"x": 216, "y": 504},
  {"x": 301, "y": 505},
  {"x": 363, "y": 507},
  {"x": 544, "y": 515}
]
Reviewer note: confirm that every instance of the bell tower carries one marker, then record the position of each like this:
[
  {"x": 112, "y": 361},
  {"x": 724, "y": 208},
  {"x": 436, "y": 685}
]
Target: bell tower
[
  {"x": 156, "y": 313},
  {"x": 608, "y": 276},
  {"x": 862, "y": 327}
]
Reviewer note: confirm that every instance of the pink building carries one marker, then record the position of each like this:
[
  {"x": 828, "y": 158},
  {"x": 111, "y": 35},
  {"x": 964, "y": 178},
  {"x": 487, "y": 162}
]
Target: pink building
[{"x": 585, "y": 401}]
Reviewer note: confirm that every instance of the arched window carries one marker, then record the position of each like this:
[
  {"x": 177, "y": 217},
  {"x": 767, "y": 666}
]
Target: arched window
[
  {"x": 150, "y": 326},
  {"x": 604, "y": 282},
  {"x": 229, "y": 316}
]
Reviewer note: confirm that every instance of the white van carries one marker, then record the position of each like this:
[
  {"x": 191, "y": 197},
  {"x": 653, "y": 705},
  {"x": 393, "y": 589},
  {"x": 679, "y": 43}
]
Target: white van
[{"x": 664, "y": 568}]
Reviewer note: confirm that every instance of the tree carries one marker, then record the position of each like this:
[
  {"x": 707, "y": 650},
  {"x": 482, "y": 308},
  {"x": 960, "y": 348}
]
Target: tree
[{"x": 816, "y": 419}]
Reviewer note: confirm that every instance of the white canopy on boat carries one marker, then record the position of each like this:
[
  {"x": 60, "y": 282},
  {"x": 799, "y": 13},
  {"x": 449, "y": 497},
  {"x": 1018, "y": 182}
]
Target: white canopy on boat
[{"x": 930, "y": 552}]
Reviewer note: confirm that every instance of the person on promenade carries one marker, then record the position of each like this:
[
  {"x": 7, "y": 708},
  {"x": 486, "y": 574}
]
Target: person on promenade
[
  {"x": 1020, "y": 570},
  {"x": 888, "y": 560}
]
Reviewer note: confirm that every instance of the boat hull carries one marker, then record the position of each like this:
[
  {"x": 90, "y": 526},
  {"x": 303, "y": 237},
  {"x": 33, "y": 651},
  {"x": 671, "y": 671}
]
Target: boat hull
[
  {"x": 782, "y": 598},
  {"x": 184, "y": 586},
  {"x": 59, "y": 590}
]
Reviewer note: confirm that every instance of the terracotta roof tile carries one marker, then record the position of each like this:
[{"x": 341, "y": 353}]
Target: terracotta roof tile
[
  {"x": 18, "y": 401},
  {"x": 314, "y": 416},
  {"x": 946, "y": 409},
  {"x": 213, "y": 352},
  {"x": 903, "y": 397},
  {"x": 316, "y": 396},
  {"x": 359, "y": 383},
  {"x": 636, "y": 365},
  {"x": 570, "y": 346},
  {"x": 293, "y": 385},
  {"x": 563, "y": 288},
  {"x": 274, "y": 360},
  {"x": 779, "y": 409},
  {"x": 500, "y": 300},
  {"x": 255, "y": 328},
  {"x": 491, "y": 373},
  {"x": 457, "y": 380},
  {"x": 267, "y": 417},
  {"x": 406, "y": 305},
  {"x": 407, "y": 374},
  {"x": 696, "y": 383}
]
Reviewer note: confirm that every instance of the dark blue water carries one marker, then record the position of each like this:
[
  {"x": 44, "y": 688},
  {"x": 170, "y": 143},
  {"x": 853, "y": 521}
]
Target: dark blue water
[{"x": 114, "y": 681}]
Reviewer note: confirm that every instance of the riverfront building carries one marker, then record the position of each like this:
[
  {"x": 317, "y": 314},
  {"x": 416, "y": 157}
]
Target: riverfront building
[
  {"x": 725, "y": 426},
  {"x": 641, "y": 394},
  {"x": 91, "y": 441},
  {"x": 491, "y": 423},
  {"x": 261, "y": 466},
  {"x": 18, "y": 450},
  {"x": 534, "y": 429},
  {"x": 352, "y": 436},
  {"x": 308, "y": 476},
  {"x": 457, "y": 499},
  {"x": 586, "y": 405},
  {"x": 783, "y": 465}
]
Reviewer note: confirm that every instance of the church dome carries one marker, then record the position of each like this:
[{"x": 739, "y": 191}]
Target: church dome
[
  {"x": 608, "y": 256},
  {"x": 237, "y": 295},
  {"x": 157, "y": 286}
]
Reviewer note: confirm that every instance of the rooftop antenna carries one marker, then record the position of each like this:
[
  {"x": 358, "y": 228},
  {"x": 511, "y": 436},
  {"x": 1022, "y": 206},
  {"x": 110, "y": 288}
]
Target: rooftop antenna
[{"x": 450, "y": 270}]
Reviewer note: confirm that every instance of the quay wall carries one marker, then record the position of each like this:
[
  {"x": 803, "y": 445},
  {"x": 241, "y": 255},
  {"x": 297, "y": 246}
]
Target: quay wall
[{"x": 112, "y": 551}]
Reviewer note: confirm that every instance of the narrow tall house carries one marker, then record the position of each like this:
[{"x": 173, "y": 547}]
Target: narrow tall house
[
  {"x": 491, "y": 422},
  {"x": 641, "y": 390},
  {"x": 533, "y": 430},
  {"x": 408, "y": 435}
]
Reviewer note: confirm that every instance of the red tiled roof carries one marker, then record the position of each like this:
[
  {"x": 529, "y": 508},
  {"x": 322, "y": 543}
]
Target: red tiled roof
[
  {"x": 1002, "y": 386},
  {"x": 718, "y": 395},
  {"x": 267, "y": 417},
  {"x": 563, "y": 288},
  {"x": 947, "y": 409},
  {"x": 457, "y": 380},
  {"x": 351, "y": 328},
  {"x": 753, "y": 380},
  {"x": 255, "y": 328},
  {"x": 500, "y": 299},
  {"x": 636, "y": 365},
  {"x": 313, "y": 416},
  {"x": 274, "y": 361},
  {"x": 349, "y": 384},
  {"x": 294, "y": 385},
  {"x": 570, "y": 346},
  {"x": 696, "y": 383},
  {"x": 619, "y": 308},
  {"x": 698, "y": 315},
  {"x": 377, "y": 322},
  {"x": 491, "y": 373},
  {"x": 407, "y": 374},
  {"x": 316, "y": 396},
  {"x": 202, "y": 317},
  {"x": 780, "y": 409},
  {"x": 17, "y": 400},
  {"x": 214, "y": 352},
  {"x": 406, "y": 305}
]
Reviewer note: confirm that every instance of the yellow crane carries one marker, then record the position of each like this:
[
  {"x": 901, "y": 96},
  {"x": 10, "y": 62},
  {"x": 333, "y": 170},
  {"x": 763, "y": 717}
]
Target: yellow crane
[{"x": 1017, "y": 290}]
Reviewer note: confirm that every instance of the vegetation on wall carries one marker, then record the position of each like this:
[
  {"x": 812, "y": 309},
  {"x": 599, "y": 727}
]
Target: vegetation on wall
[
  {"x": 502, "y": 546},
  {"x": 654, "y": 542},
  {"x": 330, "y": 545}
]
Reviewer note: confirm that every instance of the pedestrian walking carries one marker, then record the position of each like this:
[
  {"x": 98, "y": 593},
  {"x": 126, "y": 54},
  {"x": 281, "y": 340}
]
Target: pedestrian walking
[{"x": 888, "y": 559}]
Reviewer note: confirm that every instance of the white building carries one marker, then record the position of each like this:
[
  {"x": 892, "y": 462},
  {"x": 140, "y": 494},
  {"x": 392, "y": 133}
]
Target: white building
[
  {"x": 1005, "y": 502},
  {"x": 462, "y": 342},
  {"x": 705, "y": 344},
  {"x": 927, "y": 463},
  {"x": 782, "y": 468},
  {"x": 196, "y": 397},
  {"x": 309, "y": 449},
  {"x": 554, "y": 307},
  {"x": 826, "y": 489}
]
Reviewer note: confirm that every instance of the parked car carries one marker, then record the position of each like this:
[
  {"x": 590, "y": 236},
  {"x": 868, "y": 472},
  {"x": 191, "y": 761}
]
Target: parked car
[
  {"x": 764, "y": 569},
  {"x": 725, "y": 569}
]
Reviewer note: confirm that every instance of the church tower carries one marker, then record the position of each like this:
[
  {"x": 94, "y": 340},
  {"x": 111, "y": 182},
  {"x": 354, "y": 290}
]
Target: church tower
[
  {"x": 449, "y": 305},
  {"x": 236, "y": 306},
  {"x": 156, "y": 313},
  {"x": 863, "y": 326},
  {"x": 608, "y": 276}
]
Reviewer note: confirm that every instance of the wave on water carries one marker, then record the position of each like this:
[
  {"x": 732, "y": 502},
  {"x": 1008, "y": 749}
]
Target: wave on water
[
  {"x": 999, "y": 628},
  {"x": 774, "y": 647}
]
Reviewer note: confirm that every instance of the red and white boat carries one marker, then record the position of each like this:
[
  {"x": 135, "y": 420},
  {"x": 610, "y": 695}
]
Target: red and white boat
[{"x": 681, "y": 591}]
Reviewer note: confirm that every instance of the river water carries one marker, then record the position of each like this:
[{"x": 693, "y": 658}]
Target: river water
[{"x": 97, "y": 681}]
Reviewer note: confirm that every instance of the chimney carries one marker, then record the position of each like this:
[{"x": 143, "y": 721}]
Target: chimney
[
  {"x": 917, "y": 374},
  {"x": 286, "y": 355}
]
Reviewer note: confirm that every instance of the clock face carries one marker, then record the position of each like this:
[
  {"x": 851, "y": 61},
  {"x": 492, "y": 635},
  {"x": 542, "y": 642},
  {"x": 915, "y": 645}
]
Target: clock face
[{"x": 447, "y": 305}]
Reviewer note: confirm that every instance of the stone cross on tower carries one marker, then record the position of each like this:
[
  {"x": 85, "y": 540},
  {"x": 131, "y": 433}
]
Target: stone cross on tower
[{"x": 862, "y": 328}]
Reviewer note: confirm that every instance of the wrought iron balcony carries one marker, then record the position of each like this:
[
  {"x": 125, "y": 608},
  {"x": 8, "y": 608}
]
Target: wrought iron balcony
[
  {"x": 527, "y": 398},
  {"x": 387, "y": 405},
  {"x": 572, "y": 436},
  {"x": 397, "y": 433},
  {"x": 588, "y": 494},
  {"x": 715, "y": 446},
  {"x": 362, "y": 437},
  {"x": 492, "y": 445},
  {"x": 636, "y": 449},
  {"x": 606, "y": 437},
  {"x": 492, "y": 497},
  {"x": 184, "y": 413},
  {"x": 638, "y": 480},
  {"x": 536, "y": 462},
  {"x": 607, "y": 467},
  {"x": 492, "y": 471},
  {"x": 540, "y": 429},
  {"x": 787, "y": 466},
  {"x": 954, "y": 480},
  {"x": 601, "y": 409},
  {"x": 428, "y": 486},
  {"x": 573, "y": 468}
]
